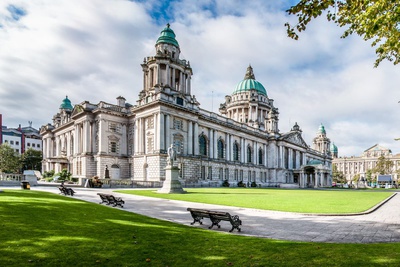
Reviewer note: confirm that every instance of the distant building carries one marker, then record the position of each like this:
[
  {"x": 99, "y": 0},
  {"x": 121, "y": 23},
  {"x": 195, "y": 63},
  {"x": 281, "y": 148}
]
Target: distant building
[
  {"x": 21, "y": 138},
  {"x": 351, "y": 166},
  {"x": 242, "y": 143}
]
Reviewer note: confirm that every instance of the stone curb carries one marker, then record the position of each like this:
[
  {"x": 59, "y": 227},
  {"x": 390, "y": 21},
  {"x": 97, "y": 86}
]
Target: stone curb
[{"x": 377, "y": 206}]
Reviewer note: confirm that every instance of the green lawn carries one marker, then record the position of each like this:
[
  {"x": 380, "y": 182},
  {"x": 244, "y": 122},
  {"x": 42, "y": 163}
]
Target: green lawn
[
  {"x": 303, "y": 201},
  {"x": 44, "y": 229}
]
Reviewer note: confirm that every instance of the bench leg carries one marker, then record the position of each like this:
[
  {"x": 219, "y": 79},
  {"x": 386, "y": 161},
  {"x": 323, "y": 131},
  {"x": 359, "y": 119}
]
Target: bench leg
[
  {"x": 197, "y": 219},
  {"x": 233, "y": 227},
  {"x": 214, "y": 222}
]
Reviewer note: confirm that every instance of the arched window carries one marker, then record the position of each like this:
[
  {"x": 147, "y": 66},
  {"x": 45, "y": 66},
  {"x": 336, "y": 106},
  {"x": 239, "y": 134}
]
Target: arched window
[
  {"x": 220, "y": 149},
  {"x": 203, "y": 145},
  {"x": 235, "y": 151},
  {"x": 260, "y": 156},
  {"x": 249, "y": 155}
]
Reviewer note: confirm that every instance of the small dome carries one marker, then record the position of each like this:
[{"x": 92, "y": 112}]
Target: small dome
[
  {"x": 249, "y": 83},
  {"x": 167, "y": 36},
  {"x": 314, "y": 162},
  {"x": 321, "y": 129},
  {"x": 66, "y": 104},
  {"x": 333, "y": 148}
]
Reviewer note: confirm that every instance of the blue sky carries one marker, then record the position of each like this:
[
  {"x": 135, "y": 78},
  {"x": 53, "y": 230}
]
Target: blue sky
[{"x": 93, "y": 51}]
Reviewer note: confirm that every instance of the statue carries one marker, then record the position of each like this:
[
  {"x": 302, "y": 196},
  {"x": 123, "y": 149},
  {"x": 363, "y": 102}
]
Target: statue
[
  {"x": 106, "y": 172},
  {"x": 171, "y": 155}
]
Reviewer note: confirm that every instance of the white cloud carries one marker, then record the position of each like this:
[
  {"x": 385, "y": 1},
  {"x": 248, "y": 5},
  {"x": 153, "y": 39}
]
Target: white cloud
[{"x": 93, "y": 52}]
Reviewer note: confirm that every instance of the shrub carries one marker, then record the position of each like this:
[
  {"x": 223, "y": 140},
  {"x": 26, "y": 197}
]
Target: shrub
[
  {"x": 48, "y": 174},
  {"x": 253, "y": 184},
  {"x": 241, "y": 184},
  {"x": 225, "y": 183}
]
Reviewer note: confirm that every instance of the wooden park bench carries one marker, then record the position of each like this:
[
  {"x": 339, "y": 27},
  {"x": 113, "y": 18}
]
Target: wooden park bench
[
  {"x": 66, "y": 191},
  {"x": 216, "y": 217},
  {"x": 111, "y": 200}
]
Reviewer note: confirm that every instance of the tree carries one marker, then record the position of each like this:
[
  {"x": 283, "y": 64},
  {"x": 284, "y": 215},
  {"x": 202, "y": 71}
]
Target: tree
[
  {"x": 64, "y": 175},
  {"x": 383, "y": 166},
  {"x": 10, "y": 160},
  {"x": 369, "y": 176},
  {"x": 376, "y": 20},
  {"x": 32, "y": 159},
  {"x": 337, "y": 176}
]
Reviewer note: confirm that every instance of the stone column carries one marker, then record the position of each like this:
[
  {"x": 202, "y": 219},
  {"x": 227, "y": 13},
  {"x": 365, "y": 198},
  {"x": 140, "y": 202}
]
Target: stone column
[
  {"x": 244, "y": 150},
  {"x": 86, "y": 136},
  {"x": 156, "y": 132},
  {"x": 136, "y": 136},
  {"x": 228, "y": 146},
  {"x": 167, "y": 131},
  {"x": 188, "y": 88},
  {"x": 255, "y": 156},
  {"x": 265, "y": 155},
  {"x": 173, "y": 85},
  {"x": 124, "y": 140},
  {"x": 161, "y": 132},
  {"x": 190, "y": 138},
  {"x": 215, "y": 143},
  {"x": 196, "y": 138},
  {"x": 76, "y": 139},
  {"x": 168, "y": 75},
  {"x": 211, "y": 142},
  {"x": 93, "y": 138}
]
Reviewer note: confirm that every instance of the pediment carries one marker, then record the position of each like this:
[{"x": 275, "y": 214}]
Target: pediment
[
  {"x": 77, "y": 109},
  {"x": 376, "y": 148},
  {"x": 295, "y": 138}
]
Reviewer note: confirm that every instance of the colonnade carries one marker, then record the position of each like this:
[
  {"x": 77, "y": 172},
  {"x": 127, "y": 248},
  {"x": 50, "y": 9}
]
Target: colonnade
[{"x": 167, "y": 74}]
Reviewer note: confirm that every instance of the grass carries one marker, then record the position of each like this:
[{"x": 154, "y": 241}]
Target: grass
[
  {"x": 303, "y": 201},
  {"x": 44, "y": 229}
]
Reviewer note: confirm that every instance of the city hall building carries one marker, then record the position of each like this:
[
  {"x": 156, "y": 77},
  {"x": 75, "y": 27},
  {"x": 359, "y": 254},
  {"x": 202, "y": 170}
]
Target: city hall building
[{"x": 242, "y": 143}]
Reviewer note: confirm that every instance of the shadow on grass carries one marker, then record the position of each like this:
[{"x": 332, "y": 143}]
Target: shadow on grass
[{"x": 44, "y": 229}]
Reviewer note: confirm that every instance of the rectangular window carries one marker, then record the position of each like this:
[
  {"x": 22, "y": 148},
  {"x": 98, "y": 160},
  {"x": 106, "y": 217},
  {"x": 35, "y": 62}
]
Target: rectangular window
[
  {"x": 177, "y": 124},
  {"x": 33, "y": 145},
  {"x": 113, "y": 127},
  {"x": 17, "y": 143},
  {"x": 113, "y": 147},
  {"x": 11, "y": 142},
  {"x": 29, "y": 144}
]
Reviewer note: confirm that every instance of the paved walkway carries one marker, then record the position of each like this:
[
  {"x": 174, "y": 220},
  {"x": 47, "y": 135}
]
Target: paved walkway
[{"x": 379, "y": 226}]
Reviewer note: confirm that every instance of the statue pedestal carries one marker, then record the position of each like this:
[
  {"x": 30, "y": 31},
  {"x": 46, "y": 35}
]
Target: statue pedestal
[{"x": 171, "y": 184}]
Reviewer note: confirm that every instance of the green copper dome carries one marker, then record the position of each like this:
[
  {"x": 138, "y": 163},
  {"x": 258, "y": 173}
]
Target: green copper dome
[
  {"x": 333, "y": 148},
  {"x": 250, "y": 83},
  {"x": 167, "y": 36},
  {"x": 321, "y": 129},
  {"x": 66, "y": 104},
  {"x": 314, "y": 162}
]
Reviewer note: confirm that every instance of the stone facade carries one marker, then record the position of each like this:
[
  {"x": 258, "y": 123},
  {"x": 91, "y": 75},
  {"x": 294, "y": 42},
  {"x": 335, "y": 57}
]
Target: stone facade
[
  {"x": 352, "y": 166},
  {"x": 242, "y": 143}
]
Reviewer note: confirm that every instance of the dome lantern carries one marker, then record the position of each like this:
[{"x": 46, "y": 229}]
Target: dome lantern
[{"x": 249, "y": 83}]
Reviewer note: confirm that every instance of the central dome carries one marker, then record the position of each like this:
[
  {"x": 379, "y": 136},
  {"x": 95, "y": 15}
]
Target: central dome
[{"x": 250, "y": 83}]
